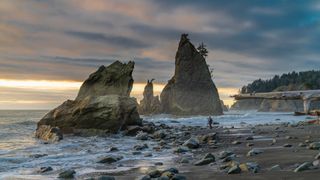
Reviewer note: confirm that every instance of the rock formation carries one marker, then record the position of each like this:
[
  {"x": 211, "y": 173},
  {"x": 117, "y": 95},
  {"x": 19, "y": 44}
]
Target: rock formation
[
  {"x": 266, "y": 105},
  {"x": 225, "y": 108},
  {"x": 103, "y": 103},
  {"x": 150, "y": 104},
  {"x": 191, "y": 90},
  {"x": 247, "y": 104}
]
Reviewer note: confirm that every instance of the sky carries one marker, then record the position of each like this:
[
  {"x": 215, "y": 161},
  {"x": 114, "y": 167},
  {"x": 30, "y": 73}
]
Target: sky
[{"x": 48, "y": 47}]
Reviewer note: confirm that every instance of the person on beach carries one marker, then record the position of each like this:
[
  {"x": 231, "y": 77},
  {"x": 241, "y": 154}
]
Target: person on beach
[{"x": 210, "y": 121}]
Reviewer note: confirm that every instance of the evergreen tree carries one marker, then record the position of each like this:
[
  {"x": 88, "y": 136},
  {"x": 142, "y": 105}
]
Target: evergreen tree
[
  {"x": 203, "y": 50},
  {"x": 308, "y": 79}
]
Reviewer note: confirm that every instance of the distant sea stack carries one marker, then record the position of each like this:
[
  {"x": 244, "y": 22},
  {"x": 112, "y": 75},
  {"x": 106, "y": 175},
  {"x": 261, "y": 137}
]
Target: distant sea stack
[
  {"x": 150, "y": 104},
  {"x": 103, "y": 103},
  {"x": 191, "y": 90}
]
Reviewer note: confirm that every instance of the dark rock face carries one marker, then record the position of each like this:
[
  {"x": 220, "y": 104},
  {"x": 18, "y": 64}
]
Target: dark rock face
[
  {"x": 191, "y": 90},
  {"x": 103, "y": 103},
  {"x": 150, "y": 104},
  {"x": 114, "y": 79}
]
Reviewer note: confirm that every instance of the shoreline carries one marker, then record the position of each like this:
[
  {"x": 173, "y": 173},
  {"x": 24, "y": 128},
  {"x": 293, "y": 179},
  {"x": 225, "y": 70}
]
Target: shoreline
[
  {"x": 273, "y": 153},
  {"x": 170, "y": 134}
]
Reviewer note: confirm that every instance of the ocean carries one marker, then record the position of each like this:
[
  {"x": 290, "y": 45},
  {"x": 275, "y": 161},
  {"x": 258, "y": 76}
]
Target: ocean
[{"x": 21, "y": 155}]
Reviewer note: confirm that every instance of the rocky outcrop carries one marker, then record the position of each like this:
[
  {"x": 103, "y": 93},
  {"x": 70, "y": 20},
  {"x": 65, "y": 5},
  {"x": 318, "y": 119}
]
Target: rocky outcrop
[
  {"x": 191, "y": 90},
  {"x": 247, "y": 104},
  {"x": 266, "y": 105},
  {"x": 150, "y": 104},
  {"x": 115, "y": 79},
  {"x": 103, "y": 103}
]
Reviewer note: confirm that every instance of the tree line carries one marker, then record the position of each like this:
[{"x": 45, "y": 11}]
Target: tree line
[{"x": 309, "y": 79}]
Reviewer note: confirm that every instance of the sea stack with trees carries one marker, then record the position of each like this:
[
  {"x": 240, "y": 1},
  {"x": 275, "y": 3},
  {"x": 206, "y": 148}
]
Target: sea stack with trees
[{"x": 191, "y": 90}]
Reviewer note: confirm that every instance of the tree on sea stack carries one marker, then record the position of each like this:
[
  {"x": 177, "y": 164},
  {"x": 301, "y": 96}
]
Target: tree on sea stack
[{"x": 203, "y": 50}]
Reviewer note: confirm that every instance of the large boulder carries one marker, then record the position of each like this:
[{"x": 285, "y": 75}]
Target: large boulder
[
  {"x": 103, "y": 103},
  {"x": 150, "y": 104},
  {"x": 191, "y": 90},
  {"x": 114, "y": 79}
]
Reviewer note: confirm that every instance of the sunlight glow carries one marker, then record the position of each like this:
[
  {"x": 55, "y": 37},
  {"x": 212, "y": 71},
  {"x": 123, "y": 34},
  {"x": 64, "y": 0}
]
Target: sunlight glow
[
  {"x": 40, "y": 84},
  {"x": 69, "y": 88}
]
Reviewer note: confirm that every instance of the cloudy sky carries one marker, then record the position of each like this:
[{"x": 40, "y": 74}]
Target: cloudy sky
[{"x": 47, "y": 47}]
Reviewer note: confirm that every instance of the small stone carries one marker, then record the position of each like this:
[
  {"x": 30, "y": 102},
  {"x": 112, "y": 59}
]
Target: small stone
[
  {"x": 110, "y": 159},
  {"x": 67, "y": 174},
  {"x": 250, "y": 144},
  {"x": 178, "y": 177},
  {"x": 140, "y": 147},
  {"x": 254, "y": 152},
  {"x": 146, "y": 177},
  {"x": 308, "y": 141},
  {"x": 172, "y": 170},
  {"x": 204, "y": 162},
  {"x": 45, "y": 169},
  {"x": 133, "y": 130},
  {"x": 275, "y": 168},
  {"x": 38, "y": 155},
  {"x": 181, "y": 149},
  {"x": 224, "y": 154},
  {"x": 184, "y": 161},
  {"x": 317, "y": 156},
  {"x": 236, "y": 142},
  {"x": 158, "y": 164},
  {"x": 208, "y": 137},
  {"x": 113, "y": 149},
  {"x": 302, "y": 145},
  {"x": 229, "y": 158},
  {"x": 142, "y": 136},
  {"x": 106, "y": 178},
  {"x": 234, "y": 170},
  {"x": 159, "y": 134},
  {"x": 249, "y": 166},
  {"x": 209, "y": 155},
  {"x": 289, "y": 137},
  {"x": 316, "y": 163},
  {"x": 192, "y": 143},
  {"x": 163, "y": 178},
  {"x": 249, "y": 138},
  {"x": 167, "y": 174},
  {"x": 287, "y": 145},
  {"x": 303, "y": 167},
  {"x": 154, "y": 173},
  {"x": 314, "y": 146}
]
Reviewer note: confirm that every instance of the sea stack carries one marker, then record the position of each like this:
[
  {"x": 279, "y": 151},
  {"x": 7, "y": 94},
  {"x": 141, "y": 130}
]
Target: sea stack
[
  {"x": 150, "y": 104},
  {"x": 103, "y": 103},
  {"x": 191, "y": 90}
]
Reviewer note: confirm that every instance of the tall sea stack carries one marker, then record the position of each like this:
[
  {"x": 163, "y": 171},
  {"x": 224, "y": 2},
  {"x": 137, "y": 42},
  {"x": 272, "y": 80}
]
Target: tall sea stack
[{"x": 191, "y": 90}]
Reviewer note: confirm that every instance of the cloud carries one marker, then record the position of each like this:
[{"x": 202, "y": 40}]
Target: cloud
[
  {"x": 67, "y": 40},
  {"x": 113, "y": 40}
]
